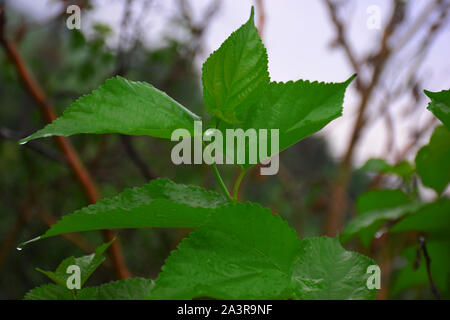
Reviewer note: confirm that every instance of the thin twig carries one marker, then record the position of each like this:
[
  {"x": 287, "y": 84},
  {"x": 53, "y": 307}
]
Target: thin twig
[
  {"x": 136, "y": 158},
  {"x": 121, "y": 69},
  {"x": 341, "y": 39},
  {"x": 423, "y": 248},
  {"x": 419, "y": 21},
  {"x": 39, "y": 148},
  {"x": 261, "y": 17}
]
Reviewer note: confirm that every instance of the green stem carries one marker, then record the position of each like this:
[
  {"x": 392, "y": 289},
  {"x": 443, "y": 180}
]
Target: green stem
[
  {"x": 221, "y": 183},
  {"x": 218, "y": 177},
  {"x": 238, "y": 183}
]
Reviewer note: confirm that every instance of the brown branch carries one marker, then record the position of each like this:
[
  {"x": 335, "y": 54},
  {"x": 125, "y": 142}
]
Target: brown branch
[
  {"x": 197, "y": 29},
  {"x": 261, "y": 17},
  {"x": 341, "y": 39},
  {"x": 379, "y": 60},
  {"x": 49, "y": 114},
  {"x": 338, "y": 202},
  {"x": 390, "y": 133}
]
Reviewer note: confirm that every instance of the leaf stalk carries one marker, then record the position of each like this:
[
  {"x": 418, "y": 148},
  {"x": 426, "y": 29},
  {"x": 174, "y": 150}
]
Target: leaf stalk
[{"x": 221, "y": 183}]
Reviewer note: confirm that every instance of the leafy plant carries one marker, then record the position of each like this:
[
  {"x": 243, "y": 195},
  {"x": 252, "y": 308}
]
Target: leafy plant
[
  {"x": 128, "y": 289},
  {"x": 237, "y": 250},
  {"x": 440, "y": 105},
  {"x": 401, "y": 210}
]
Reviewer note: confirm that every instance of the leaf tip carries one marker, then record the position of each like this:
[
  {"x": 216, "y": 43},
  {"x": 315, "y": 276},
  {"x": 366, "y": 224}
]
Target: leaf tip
[
  {"x": 252, "y": 14},
  {"x": 24, "y": 140},
  {"x": 352, "y": 77},
  {"x": 23, "y": 244},
  {"x": 40, "y": 270}
]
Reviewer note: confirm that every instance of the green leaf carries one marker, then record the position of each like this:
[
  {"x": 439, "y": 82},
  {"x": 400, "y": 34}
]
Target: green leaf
[
  {"x": 128, "y": 289},
  {"x": 373, "y": 200},
  {"x": 440, "y": 105},
  {"x": 433, "y": 160},
  {"x": 121, "y": 106},
  {"x": 88, "y": 264},
  {"x": 243, "y": 253},
  {"x": 49, "y": 292},
  {"x": 402, "y": 169},
  {"x": 160, "y": 203},
  {"x": 297, "y": 109},
  {"x": 432, "y": 217},
  {"x": 235, "y": 75},
  {"x": 376, "y": 208},
  {"x": 246, "y": 252},
  {"x": 324, "y": 270}
]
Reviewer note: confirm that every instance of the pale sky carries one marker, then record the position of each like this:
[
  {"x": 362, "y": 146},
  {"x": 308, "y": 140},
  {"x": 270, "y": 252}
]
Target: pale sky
[{"x": 297, "y": 35}]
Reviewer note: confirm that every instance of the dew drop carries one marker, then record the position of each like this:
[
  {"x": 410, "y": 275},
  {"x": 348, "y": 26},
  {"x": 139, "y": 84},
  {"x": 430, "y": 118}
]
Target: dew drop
[
  {"x": 22, "y": 143},
  {"x": 380, "y": 233},
  {"x": 23, "y": 244}
]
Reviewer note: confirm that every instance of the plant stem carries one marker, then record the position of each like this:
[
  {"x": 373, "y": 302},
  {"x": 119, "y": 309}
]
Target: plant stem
[
  {"x": 218, "y": 177},
  {"x": 423, "y": 248},
  {"x": 238, "y": 184},
  {"x": 221, "y": 183}
]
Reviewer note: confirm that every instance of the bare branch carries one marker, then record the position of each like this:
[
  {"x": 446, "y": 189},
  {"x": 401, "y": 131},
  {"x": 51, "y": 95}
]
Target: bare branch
[
  {"x": 136, "y": 158},
  {"x": 423, "y": 248},
  {"x": 341, "y": 39},
  {"x": 338, "y": 201},
  {"x": 261, "y": 17}
]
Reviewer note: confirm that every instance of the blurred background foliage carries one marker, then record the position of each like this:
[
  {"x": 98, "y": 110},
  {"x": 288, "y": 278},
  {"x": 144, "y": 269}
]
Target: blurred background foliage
[{"x": 37, "y": 187}]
